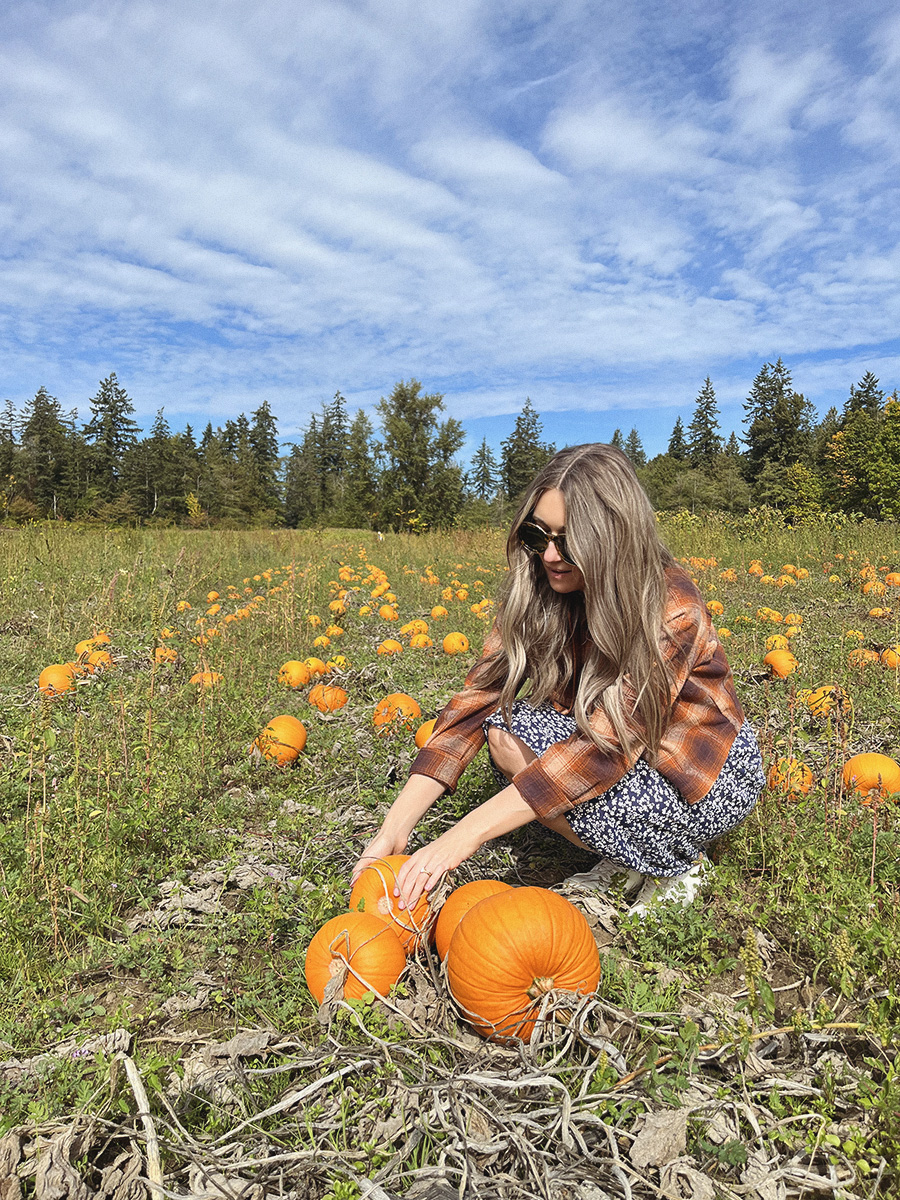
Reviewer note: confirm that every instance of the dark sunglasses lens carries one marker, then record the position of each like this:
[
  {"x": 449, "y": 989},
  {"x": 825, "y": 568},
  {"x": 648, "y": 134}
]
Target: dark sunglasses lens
[
  {"x": 564, "y": 551},
  {"x": 534, "y": 539}
]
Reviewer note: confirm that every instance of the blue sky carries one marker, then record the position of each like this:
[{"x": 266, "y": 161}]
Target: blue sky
[{"x": 592, "y": 204}]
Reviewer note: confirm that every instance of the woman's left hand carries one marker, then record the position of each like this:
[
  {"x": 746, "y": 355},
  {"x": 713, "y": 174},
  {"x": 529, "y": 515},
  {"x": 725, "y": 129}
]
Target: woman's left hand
[{"x": 424, "y": 869}]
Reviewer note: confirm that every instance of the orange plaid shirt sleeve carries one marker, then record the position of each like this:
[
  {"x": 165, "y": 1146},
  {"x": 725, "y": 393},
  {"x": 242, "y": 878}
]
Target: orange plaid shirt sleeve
[{"x": 706, "y": 715}]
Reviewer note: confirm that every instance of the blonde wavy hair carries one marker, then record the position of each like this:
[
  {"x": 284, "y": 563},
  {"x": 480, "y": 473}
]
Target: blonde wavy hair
[{"x": 611, "y": 534}]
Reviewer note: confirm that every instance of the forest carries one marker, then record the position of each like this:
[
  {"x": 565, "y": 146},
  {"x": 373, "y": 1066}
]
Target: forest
[{"x": 405, "y": 474}]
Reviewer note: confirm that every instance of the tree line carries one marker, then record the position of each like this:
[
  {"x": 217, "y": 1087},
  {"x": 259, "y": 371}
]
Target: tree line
[{"x": 405, "y": 474}]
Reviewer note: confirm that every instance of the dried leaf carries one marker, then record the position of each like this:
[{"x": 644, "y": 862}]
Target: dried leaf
[
  {"x": 662, "y": 1139},
  {"x": 681, "y": 1179}
]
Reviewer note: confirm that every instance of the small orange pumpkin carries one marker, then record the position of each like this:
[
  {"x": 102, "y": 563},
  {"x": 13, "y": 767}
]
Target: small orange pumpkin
[
  {"x": 390, "y": 646},
  {"x": 781, "y": 663},
  {"x": 282, "y": 739},
  {"x": 56, "y": 679},
  {"x": 890, "y": 656},
  {"x": 458, "y": 904},
  {"x": 455, "y": 643},
  {"x": 316, "y": 666},
  {"x": 424, "y": 732},
  {"x": 509, "y": 950},
  {"x": 822, "y": 701},
  {"x": 395, "y": 711},
  {"x": 165, "y": 654},
  {"x": 206, "y": 678},
  {"x": 791, "y": 776},
  {"x": 362, "y": 942},
  {"x": 373, "y": 892},
  {"x": 327, "y": 697},
  {"x": 294, "y": 674},
  {"x": 99, "y": 660}
]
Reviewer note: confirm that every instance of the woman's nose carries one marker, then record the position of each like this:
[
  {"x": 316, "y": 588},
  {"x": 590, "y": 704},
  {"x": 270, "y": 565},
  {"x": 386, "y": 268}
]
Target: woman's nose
[{"x": 551, "y": 554}]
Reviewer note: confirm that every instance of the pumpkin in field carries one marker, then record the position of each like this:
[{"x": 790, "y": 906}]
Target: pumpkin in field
[
  {"x": 98, "y": 660},
  {"x": 362, "y": 942},
  {"x": 860, "y": 657},
  {"x": 395, "y": 711},
  {"x": 56, "y": 679},
  {"x": 458, "y": 904},
  {"x": 510, "y": 950},
  {"x": 390, "y": 646},
  {"x": 327, "y": 697},
  {"x": 791, "y": 776},
  {"x": 439, "y": 611},
  {"x": 421, "y": 641},
  {"x": 165, "y": 654},
  {"x": 892, "y": 579},
  {"x": 781, "y": 663},
  {"x": 206, "y": 679},
  {"x": 316, "y": 666},
  {"x": 827, "y": 699},
  {"x": 890, "y": 657},
  {"x": 455, "y": 643},
  {"x": 282, "y": 739},
  {"x": 387, "y": 612},
  {"x": 294, "y": 674},
  {"x": 868, "y": 773},
  {"x": 373, "y": 893},
  {"x": 424, "y": 732},
  {"x": 92, "y": 643}
]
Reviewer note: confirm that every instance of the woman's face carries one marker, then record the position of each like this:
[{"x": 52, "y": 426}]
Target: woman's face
[{"x": 550, "y": 514}]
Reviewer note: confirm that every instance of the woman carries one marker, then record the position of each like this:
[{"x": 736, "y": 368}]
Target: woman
[{"x": 630, "y": 740}]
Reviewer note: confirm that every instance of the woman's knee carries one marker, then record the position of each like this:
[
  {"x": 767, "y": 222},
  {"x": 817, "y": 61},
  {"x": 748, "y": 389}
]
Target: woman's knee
[{"x": 509, "y": 753}]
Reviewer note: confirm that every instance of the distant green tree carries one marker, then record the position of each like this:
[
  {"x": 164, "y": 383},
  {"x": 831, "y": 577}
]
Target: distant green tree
[
  {"x": 263, "y": 439},
  {"x": 779, "y": 427},
  {"x": 704, "y": 439},
  {"x": 483, "y": 478},
  {"x": 110, "y": 433},
  {"x": 361, "y": 474},
  {"x": 634, "y": 448},
  {"x": 678, "y": 447},
  {"x": 523, "y": 453},
  {"x": 43, "y": 454},
  {"x": 865, "y": 397},
  {"x": 419, "y": 485},
  {"x": 617, "y": 440}
]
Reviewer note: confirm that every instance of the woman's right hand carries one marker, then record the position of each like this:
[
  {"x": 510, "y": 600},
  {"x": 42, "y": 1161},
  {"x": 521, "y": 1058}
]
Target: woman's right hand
[{"x": 381, "y": 845}]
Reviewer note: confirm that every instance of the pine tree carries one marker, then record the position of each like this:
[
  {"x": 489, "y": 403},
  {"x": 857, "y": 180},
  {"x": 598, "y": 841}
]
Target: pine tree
[
  {"x": 482, "y": 479},
  {"x": 678, "y": 448},
  {"x": 704, "y": 440},
  {"x": 110, "y": 432},
  {"x": 779, "y": 423},
  {"x": 263, "y": 437},
  {"x": 333, "y": 433},
  {"x": 635, "y": 450},
  {"x": 43, "y": 453},
  {"x": 360, "y": 471},
  {"x": 617, "y": 440},
  {"x": 523, "y": 453},
  {"x": 303, "y": 480},
  {"x": 865, "y": 397}
]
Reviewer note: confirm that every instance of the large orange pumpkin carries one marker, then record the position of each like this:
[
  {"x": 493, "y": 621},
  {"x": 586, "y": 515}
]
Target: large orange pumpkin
[
  {"x": 458, "y": 904},
  {"x": 327, "y": 697},
  {"x": 395, "y": 711},
  {"x": 373, "y": 892},
  {"x": 455, "y": 643},
  {"x": 56, "y": 679},
  {"x": 510, "y": 950},
  {"x": 282, "y": 739},
  {"x": 828, "y": 698},
  {"x": 868, "y": 773},
  {"x": 364, "y": 943},
  {"x": 294, "y": 674}
]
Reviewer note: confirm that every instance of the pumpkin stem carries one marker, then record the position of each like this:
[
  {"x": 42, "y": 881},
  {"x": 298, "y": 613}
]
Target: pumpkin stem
[{"x": 540, "y": 987}]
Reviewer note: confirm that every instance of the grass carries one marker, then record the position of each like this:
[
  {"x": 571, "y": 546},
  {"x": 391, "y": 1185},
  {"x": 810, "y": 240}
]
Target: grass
[{"x": 139, "y": 778}]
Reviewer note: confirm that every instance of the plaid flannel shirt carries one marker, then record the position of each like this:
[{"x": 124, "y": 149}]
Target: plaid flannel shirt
[{"x": 705, "y": 717}]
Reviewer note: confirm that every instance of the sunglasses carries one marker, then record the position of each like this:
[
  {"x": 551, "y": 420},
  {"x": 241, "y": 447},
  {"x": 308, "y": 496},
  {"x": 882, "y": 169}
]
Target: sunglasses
[{"x": 536, "y": 540}]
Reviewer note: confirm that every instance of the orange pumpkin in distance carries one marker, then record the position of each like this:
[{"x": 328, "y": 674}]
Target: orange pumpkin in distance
[
  {"x": 316, "y": 666},
  {"x": 791, "y": 776},
  {"x": 373, "y": 892},
  {"x": 363, "y": 942},
  {"x": 99, "y": 660},
  {"x": 868, "y": 773},
  {"x": 56, "y": 679},
  {"x": 890, "y": 656},
  {"x": 165, "y": 654},
  {"x": 781, "y": 663},
  {"x": 455, "y": 643},
  {"x": 294, "y": 674},
  {"x": 395, "y": 711},
  {"x": 206, "y": 679},
  {"x": 424, "y": 732},
  {"x": 510, "y": 950},
  {"x": 458, "y": 904},
  {"x": 282, "y": 739},
  {"x": 327, "y": 697}
]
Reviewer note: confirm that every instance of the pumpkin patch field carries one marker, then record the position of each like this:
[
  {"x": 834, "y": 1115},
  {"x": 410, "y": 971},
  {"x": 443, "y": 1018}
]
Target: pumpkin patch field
[{"x": 199, "y": 732}]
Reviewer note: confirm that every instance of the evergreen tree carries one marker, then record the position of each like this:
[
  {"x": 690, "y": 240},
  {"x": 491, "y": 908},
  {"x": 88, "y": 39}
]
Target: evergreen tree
[
  {"x": 303, "y": 480},
  {"x": 110, "y": 432},
  {"x": 865, "y": 397},
  {"x": 43, "y": 454},
  {"x": 678, "y": 447},
  {"x": 704, "y": 440},
  {"x": 635, "y": 450},
  {"x": 733, "y": 448},
  {"x": 617, "y": 440},
  {"x": 483, "y": 478},
  {"x": 419, "y": 485},
  {"x": 8, "y": 425},
  {"x": 779, "y": 423},
  {"x": 360, "y": 471},
  {"x": 523, "y": 453},
  {"x": 263, "y": 438},
  {"x": 333, "y": 434}
]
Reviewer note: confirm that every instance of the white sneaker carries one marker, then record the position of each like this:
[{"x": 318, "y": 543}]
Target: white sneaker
[
  {"x": 675, "y": 889},
  {"x": 604, "y": 876}
]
